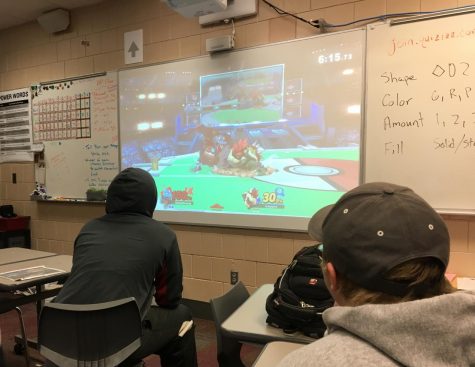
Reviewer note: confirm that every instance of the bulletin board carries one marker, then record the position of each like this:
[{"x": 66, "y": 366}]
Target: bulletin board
[{"x": 76, "y": 121}]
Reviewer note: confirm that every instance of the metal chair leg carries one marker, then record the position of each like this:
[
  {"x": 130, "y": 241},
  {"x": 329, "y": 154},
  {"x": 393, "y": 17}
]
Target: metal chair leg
[
  {"x": 23, "y": 335},
  {"x": 2, "y": 360}
]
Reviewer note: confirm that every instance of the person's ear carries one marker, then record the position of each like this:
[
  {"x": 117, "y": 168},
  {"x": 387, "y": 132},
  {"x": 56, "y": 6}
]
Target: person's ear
[
  {"x": 331, "y": 277},
  {"x": 332, "y": 283}
]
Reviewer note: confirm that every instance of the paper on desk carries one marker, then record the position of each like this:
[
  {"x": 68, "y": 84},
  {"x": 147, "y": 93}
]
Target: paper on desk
[
  {"x": 30, "y": 273},
  {"x": 466, "y": 283}
]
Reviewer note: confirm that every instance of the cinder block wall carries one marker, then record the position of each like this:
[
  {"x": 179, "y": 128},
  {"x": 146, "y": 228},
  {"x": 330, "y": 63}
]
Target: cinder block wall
[{"x": 29, "y": 55}]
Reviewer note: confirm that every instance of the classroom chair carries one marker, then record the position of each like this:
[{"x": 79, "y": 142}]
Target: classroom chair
[
  {"x": 101, "y": 334},
  {"x": 228, "y": 348}
]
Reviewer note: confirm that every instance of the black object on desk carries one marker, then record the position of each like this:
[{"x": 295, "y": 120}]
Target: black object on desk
[
  {"x": 248, "y": 322},
  {"x": 6, "y": 211}
]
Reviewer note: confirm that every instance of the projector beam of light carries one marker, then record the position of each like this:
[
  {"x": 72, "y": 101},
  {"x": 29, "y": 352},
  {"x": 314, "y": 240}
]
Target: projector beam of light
[
  {"x": 354, "y": 109},
  {"x": 156, "y": 125},
  {"x": 143, "y": 126}
]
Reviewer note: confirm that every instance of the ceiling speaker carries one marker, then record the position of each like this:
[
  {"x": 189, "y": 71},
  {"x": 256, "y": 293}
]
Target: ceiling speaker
[{"x": 54, "y": 21}]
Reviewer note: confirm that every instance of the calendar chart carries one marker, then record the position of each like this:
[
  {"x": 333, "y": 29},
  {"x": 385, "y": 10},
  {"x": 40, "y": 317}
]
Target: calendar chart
[
  {"x": 63, "y": 117},
  {"x": 76, "y": 121}
]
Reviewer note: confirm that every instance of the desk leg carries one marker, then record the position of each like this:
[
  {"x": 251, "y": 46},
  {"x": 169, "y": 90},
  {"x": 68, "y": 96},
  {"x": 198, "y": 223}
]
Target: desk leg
[
  {"x": 22, "y": 341},
  {"x": 40, "y": 288},
  {"x": 24, "y": 336}
]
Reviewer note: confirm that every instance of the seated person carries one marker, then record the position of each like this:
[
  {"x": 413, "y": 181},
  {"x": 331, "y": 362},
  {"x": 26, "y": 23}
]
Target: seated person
[
  {"x": 126, "y": 253},
  {"x": 385, "y": 252}
]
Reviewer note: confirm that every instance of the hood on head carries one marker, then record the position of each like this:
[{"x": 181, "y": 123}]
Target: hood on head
[{"x": 133, "y": 190}]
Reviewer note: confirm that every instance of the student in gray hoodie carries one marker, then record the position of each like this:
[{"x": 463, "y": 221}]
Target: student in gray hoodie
[{"x": 384, "y": 258}]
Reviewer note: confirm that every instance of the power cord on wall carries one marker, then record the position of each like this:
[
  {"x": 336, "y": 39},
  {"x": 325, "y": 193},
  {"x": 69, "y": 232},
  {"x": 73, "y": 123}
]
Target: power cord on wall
[
  {"x": 323, "y": 25},
  {"x": 283, "y": 12},
  {"x": 233, "y": 35}
]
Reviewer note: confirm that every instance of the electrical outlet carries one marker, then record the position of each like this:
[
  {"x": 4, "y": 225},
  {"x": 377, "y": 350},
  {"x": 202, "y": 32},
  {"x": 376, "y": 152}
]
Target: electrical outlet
[{"x": 234, "y": 277}]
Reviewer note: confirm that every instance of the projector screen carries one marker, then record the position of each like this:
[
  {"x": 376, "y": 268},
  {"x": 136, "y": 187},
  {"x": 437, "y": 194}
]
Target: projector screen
[{"x": 260, "y": 137}]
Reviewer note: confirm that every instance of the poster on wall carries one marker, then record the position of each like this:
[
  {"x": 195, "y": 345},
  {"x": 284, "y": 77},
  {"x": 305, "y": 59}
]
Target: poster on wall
[{"x": 15, "y": 126}]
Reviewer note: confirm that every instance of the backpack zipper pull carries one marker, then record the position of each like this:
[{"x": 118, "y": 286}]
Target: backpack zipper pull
[{"x": 305, "y": 305}]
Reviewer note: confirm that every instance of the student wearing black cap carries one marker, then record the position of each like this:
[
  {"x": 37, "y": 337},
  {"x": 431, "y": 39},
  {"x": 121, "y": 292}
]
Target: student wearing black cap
[{"x": 385, "y": 252}]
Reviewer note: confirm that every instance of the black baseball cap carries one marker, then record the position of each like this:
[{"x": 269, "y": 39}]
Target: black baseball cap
[{"x": 376, "y": 227}]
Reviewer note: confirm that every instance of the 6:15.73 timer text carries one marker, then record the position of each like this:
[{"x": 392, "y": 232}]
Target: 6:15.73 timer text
[{"x": 334, "y": 57}]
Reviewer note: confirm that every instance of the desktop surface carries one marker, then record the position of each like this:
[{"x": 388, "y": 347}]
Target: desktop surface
[
  {"x": 17, "y": 254},
  {"x": 62, "y": 263},
  {"x": 248, "y": 322}
]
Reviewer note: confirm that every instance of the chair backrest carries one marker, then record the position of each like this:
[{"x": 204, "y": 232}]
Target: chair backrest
[
  {"x": 222, "y": 307},
  {"x": 101, "y": 334}
]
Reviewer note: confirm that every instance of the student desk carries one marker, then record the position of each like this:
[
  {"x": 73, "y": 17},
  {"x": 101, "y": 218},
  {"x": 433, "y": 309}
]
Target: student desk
[
  {"x": 16, "y": 254},
  {"x": 60, "y": 262},
  {"x": 248, "y": 322},
  {"x": 274, "y": 352},
  {"x": 13, "y": 293},
  {"x": 27, "y": 259}
]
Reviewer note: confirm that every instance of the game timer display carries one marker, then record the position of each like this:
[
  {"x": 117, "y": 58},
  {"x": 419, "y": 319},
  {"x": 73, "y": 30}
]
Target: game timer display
[{"x": 257, "y": 138}]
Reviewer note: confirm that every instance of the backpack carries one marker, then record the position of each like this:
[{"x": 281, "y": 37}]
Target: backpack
[{"x": 300, "y": 295}]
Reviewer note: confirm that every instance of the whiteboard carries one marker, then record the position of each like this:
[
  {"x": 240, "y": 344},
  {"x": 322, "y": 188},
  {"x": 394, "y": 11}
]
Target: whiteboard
[
  {"x": 420, "y": 111},
  {"x": 76, "y": 120}
]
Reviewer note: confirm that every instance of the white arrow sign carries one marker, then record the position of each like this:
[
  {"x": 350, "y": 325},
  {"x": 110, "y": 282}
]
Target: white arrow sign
[{"x": 133, "y": 46}]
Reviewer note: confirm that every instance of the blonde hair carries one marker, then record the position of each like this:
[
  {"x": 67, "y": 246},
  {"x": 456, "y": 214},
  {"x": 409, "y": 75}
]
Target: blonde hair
[{"x": 412, "y": 272}]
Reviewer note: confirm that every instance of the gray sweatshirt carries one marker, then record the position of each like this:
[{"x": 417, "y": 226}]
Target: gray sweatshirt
[{"x": 432, "y": 332}]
